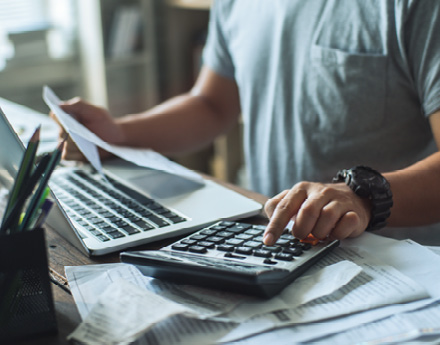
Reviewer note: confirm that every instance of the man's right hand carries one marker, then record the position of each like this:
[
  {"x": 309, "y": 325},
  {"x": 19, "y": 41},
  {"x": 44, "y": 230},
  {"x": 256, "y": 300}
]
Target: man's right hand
[{"x": 96, "y": 119}]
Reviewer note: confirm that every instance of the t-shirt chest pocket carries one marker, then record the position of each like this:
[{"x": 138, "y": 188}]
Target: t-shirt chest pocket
[{"x": 344, "y": 92}]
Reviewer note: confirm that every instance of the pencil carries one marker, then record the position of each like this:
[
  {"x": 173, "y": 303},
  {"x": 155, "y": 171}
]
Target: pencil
[
  {"x": 24, "y": 171},
  {"x": 11, "y": 220},
  {"x": 32, "y": 208}
]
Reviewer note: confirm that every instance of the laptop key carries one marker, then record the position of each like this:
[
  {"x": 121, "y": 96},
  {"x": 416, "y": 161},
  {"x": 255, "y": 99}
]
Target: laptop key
[
  {"x": 130, "y": 230},
  {"x": 115, "y": 234},
  {"x": 158, "y": 221}
]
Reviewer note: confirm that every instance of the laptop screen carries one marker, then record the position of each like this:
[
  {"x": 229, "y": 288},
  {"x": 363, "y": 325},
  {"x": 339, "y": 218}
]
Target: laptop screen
[{"x": 11, "y": 152}]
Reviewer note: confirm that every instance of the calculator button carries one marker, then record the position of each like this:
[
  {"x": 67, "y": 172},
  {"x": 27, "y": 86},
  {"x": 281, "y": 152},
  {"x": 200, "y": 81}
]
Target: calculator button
[
  {"x": 208, "y": 232},
  {"x": 311, "y": 240},
  {"x": 252, "y": 244},
  {"x": 215, "y": 239},
  {"x": 305, "y": 246},
  {"x": 262, "y": 253},
  {"x": 282, "y": 242},
  {"x": 244, "y": 250},
  {"x": 284, "y": 256},
  {"x": 289, "y": 237},
  {"x": 227, "y": 224},
  {"x": 206, "y": 244},
  {"x": 253, "y": 232},
  {"x": 225, "y": 234},
  {"x": 294, "y": 251},
  {"x": 218, "y": 227},
  {"x": 238, "y": 228},
  {"x": 180, "y": 246},
  {"x": 225, "y": 248},
  {"x": 188, "y": 241},
  {"x": 273, "y": 249},
  {"x": 198, "y": 249},
  {"x": 244, "y": 236},
  {"x": 198, "y": 237},
  {"x": 234, "y": 241},
  {"x": 233, "y": 256},
  {"x": 259, "y": 227},
  {"x": 270, "y": 262}
]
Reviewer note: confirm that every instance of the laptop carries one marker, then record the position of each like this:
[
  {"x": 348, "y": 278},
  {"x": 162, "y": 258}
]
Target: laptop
[{"x": 131, "y": 206}]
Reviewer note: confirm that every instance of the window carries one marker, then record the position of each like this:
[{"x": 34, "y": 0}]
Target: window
[{"x": 32, "y": 29}]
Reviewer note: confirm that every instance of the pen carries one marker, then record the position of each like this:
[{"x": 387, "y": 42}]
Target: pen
[
  {"x": 44, "y": 211},
  {"x": 24, "y": 171},
  {"x": 10, "y": 221},
  {"x": 32, "y": 207}
]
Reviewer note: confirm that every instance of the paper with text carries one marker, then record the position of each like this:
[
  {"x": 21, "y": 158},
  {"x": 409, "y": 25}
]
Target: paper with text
[
  {"x": 88, "y": 282},
  {"x": 377, "y": 285},
  {"x": 408, "y": 257},
  {"x": 123, "y": 312},
  {"x": 88, "y": 142}
]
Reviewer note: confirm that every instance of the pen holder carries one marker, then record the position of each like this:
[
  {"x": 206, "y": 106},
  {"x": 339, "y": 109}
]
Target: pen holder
[{"x": 26, "y": 303}]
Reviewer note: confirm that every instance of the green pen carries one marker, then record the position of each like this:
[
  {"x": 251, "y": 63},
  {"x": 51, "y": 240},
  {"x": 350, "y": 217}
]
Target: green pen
[
  {"x": 32, "y": 209},
  {"x": 24, "y": 172}
]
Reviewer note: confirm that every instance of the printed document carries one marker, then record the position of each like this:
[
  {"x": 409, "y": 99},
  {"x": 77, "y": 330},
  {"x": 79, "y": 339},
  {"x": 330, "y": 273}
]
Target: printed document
[
  {"x": 88, "y": 141},
  {"x": 408, "y": 257},
  {"x": 382, "y": 280},
  {"x": 123, "y": 312}
]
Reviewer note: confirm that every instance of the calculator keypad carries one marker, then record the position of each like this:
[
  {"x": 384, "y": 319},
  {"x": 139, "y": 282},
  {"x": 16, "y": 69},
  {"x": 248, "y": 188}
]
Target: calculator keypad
[{"x": 242, "y": 241}]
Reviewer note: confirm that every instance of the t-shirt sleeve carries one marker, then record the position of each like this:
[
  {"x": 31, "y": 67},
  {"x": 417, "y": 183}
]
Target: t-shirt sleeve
[
  {"x": 216, "y": 53},
  {"x": 422, "y": 32}
]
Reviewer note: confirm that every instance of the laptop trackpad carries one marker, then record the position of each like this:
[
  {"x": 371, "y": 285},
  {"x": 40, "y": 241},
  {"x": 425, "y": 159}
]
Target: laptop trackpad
[
  {"x": 162, "y": 185},
  {"x": 156, "y": 183}
]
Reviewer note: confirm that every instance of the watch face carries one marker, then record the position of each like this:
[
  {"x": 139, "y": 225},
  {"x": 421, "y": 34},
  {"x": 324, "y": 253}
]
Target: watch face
[{"x": 363, "y": 176}]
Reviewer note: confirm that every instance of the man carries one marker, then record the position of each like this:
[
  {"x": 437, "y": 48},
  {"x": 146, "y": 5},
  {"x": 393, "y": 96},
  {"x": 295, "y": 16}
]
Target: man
[{"x": 321, "y": 86}]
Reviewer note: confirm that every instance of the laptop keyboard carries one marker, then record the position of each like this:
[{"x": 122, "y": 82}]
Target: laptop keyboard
[{"x": 108, "y": 211}]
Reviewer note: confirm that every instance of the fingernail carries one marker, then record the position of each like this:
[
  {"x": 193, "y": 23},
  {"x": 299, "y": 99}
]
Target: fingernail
[{"x": 268, "y": 239}]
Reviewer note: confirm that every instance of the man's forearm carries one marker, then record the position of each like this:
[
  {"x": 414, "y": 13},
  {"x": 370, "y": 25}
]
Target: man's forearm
[
  {"x": 181, "y": 124},
  {"x": 416, "y": 193}
]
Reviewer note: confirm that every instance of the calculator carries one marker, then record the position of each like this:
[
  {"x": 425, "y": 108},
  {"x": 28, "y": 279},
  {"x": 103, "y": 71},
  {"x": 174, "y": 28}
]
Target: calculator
[{"x": 231, "y": 256}]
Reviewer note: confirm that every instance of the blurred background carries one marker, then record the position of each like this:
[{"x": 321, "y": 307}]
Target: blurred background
[{"x": 126, "y": 55}]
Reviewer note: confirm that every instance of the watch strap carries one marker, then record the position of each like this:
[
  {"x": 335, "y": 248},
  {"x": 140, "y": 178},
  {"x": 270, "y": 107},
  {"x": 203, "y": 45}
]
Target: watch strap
[{"x": 380, "y": 196}]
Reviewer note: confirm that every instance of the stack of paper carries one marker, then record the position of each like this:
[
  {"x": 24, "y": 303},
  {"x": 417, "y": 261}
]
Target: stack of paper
[{"x": 351, "y": 296}]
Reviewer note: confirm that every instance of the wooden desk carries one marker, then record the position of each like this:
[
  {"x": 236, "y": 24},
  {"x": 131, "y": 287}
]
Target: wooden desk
[{"x": 61, "y": 253}]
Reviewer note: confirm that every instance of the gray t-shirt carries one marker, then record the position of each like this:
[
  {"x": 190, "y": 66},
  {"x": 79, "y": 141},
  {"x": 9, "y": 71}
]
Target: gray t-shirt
[{"x": 328, "y": 84}]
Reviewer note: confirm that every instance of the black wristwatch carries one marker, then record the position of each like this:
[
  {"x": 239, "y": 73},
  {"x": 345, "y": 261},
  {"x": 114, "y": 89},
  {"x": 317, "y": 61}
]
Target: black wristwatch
[{"x": 369, "y": 183}]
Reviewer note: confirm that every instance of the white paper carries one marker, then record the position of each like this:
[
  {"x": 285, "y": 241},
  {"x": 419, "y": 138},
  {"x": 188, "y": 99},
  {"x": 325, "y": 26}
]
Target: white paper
[
  {"x": 123, "y": 312},
  {"x": 410, "y": 258},
  {"x": 88, "y": 141},
  {"x": 393, "y": 330},
  {"x": 413, "y": 260},
  {"x": 88, "y": 282},
  {"x": 378, "y": 285},
  {"x": 434, "y": 249},
  {"x": 307, "y": 288},
  {"x": 396, "y": 329}
]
